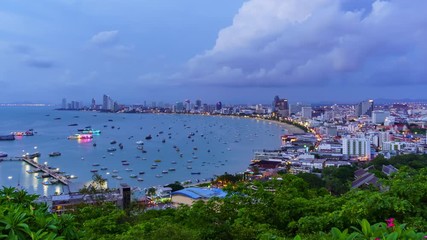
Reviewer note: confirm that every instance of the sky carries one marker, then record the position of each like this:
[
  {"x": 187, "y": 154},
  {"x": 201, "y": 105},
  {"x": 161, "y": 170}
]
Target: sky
[{"x": 234, "y": 51}]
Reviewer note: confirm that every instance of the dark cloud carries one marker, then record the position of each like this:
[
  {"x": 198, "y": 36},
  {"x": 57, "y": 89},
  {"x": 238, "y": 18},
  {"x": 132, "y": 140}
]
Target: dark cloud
[{"x": 295, "y": 43}]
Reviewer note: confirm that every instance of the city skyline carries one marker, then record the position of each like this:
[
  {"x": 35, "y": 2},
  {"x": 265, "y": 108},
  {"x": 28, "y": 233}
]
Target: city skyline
[{"x": 232, "y": 51}]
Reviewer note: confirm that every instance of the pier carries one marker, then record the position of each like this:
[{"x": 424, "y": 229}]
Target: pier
[{"x": 42, "y": 167}]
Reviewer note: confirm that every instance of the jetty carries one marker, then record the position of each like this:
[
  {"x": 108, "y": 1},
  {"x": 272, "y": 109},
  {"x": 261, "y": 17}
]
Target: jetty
[{"x": 44, "y": 168}]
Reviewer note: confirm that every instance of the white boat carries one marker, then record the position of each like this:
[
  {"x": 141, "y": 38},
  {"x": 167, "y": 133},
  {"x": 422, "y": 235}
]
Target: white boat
[{"x": 139, "y": 142}]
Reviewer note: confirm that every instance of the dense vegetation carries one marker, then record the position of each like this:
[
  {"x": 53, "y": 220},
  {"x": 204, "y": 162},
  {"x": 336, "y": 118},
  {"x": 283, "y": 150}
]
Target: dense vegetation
[
  {"x": 22, "y": 218},
  {"x": 303, "y": 205}
]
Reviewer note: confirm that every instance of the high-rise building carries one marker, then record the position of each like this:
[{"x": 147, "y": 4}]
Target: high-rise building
[
  {"x": 378, "y": 116},
  {"x": 307, "y": 112},
  {"x": 218, "y": 105},
  {"x": 282, "y": 107},
  {"x": 105, "y": 102},
  {"x": 198, "y": 104},
  {"x": 64, "y": 103},
  {"x": 365, "y": 108},
  {"x": 356, "y": 147},
  {"x": 93, "y": 104}
]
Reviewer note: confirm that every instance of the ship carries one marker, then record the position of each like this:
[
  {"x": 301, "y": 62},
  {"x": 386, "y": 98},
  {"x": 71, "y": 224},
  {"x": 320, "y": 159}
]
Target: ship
[
  {"x": 7, "y": 137},
  {"x": 3, "y": 154}
]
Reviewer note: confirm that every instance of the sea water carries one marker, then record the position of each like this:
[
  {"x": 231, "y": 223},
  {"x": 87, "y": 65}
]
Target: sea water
[{"x": 209, "y": 145}]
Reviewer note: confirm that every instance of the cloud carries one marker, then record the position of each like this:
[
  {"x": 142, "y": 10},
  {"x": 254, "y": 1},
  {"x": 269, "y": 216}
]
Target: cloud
[
  {"x": 105, "y": 38},
  {"x": 299, "y": 42},
  {"x": 39, "y": 63}
]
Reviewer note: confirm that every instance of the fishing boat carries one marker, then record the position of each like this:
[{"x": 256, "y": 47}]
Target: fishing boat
[
  {"x": 148, "y": 137},
  {"x": 132, "y": 176},
  {"x": 141, "y": 173},
  {"x": 140, "y": 179},
  {"x": 3, "y": 154},
  {"x": 111, "y": 149},
  {"x": 195, "y": 173},
  {"x": 139, "y": 142}
]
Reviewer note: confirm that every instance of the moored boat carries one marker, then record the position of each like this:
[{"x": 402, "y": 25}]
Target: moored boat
[
  {"x": 3, "y": 154},
  {"x": 7, "y": 137},
  {"x": 54, "y": 154}
]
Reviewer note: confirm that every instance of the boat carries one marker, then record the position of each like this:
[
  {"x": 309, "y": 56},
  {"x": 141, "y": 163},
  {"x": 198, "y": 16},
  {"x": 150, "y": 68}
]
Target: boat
[
  {"x": 120, "y": 146},
  {"x": 104, "y": 168},
  {"x": 119, "y": 178},
  {"x": 113, "y": 142},
  {"x": 72, "y": 124},
  {"x": 157, "y": 160},
  {"x": 148, "y": 137},
  {"x": 158, "y": 176},
  {"x": 111, "y": 149},
  {"x": 141, "y": 173},
  {"x": 132, "y": 176},
  {"x": 89, "y": 131},
  {"x": 139, "y": 142},
  {"x": 94, "y": 170},
  {"x": 47, "y": 182},
  {"x": 26, "y": 133},
  {"x": 165, "y": 172},
  {"x": 115, "y": 171},
  {"x": 53, "y": 180},
  {"x": 7, "y": 137},
  {"x": 96, "y": 164},
  {"x": 125, "y": 163},
  {"x": 54, "y": 154},
  {"x": 3, "y": 154},
  {"x": 189, "y": 167},
  {"x": 171, "y": 169},
  {"x": 153, "y": 167},
  {"x": 140, "y": 179},
  {"x": 45, "y": 175},
  {"x": 80, "y": 136},
  {"x": 31, "y": 156},
  {"x": 173, "y": 162},
  {"x": 129, "y": 169},
  {"x": 195, "y": 173}
]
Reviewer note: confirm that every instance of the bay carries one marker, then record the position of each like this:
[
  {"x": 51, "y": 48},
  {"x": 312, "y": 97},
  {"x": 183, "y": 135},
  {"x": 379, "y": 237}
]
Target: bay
[{"x": 182, "y": 145}]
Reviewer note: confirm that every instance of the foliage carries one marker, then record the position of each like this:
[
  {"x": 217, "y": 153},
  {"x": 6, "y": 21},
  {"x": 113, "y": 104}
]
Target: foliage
[{"x": 22, "y": 218}]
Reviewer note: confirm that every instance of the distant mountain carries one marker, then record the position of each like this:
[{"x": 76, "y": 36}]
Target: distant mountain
[{"x": 388, "y": 101}]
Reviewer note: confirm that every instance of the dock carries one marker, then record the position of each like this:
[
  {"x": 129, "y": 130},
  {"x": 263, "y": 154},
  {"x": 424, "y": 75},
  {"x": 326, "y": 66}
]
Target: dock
[{"x": 42, "y": 167}]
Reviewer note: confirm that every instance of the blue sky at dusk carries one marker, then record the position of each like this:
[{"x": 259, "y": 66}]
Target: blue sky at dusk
[{"x": 231, "y": 50}]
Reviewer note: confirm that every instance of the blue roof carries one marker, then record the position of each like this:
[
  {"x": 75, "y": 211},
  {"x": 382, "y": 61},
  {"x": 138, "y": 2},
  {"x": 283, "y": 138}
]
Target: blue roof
[{"x": 201, "y": 193}]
